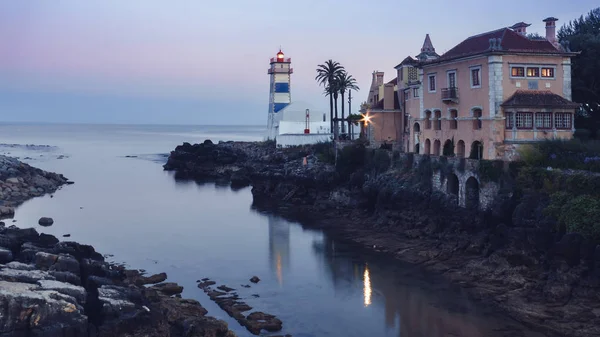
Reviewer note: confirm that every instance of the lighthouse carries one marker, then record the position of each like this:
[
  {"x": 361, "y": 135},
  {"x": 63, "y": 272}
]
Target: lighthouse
[{"x": 280, "y": 96}]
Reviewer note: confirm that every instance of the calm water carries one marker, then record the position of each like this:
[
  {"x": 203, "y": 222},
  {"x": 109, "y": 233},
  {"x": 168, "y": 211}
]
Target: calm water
[{"x": 132, "y": 209}]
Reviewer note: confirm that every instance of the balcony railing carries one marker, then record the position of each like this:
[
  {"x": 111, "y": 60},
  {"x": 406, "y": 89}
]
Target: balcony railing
[
  {"x": 280, "y": 70},
  {"x": 450, "y": 94},
  {"x": 283, "y": 60}
]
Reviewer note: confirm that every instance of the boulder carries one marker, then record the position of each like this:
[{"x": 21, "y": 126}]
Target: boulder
[
  {"x": 168, "y": 288},
  {"x": 254, "y": 279},
  {"x": 6, "y": 255},
  {"x": 44, "y": 221}
]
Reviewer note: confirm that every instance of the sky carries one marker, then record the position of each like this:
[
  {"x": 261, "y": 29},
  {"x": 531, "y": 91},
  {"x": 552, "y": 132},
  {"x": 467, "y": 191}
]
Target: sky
[{"x": 205, "y": 62}]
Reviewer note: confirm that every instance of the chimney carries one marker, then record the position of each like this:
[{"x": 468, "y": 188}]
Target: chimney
[
  {"x": 520, "y": 27},
  {"x": 388, "y": 96},
  {"x": 551, "y": 31},
  {"x": 379, "y": 78}
]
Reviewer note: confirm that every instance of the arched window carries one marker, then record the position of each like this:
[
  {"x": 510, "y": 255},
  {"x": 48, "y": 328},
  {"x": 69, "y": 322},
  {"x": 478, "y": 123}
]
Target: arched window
[
  {"x": 453, "y": 119},
  {"x": 428, "y": 120},
  {"x": 427, "y": 149},
  {"x": 476, "y": 150},
  {"x": 448, "y": 149},
  {"x": 438, "y": 120},
  {"x": 460, "y": 149},
  {"x": 477, "y": 119}
]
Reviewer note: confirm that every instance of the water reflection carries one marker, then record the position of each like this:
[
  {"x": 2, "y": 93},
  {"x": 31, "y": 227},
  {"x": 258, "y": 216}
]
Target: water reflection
[
  {"x": 279, "y": 246},
  {"x": 413, "y": 302}
]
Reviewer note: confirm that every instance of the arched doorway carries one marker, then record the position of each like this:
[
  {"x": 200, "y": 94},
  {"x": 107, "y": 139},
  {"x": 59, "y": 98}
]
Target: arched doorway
[
  {"x": 427, "y": 149},
  {"x": 460, "y": 149},
  {"x": 472, "y": 193},
  {"x": 448, "y": 148},
  {"x": 436, "y": 147},
  {"x": 452, "y": 185},
  {"x": 416, "y": 132},
  {"x": 476, "y": 150}
]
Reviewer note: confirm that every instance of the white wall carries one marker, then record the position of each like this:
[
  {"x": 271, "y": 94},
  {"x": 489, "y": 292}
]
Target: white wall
[
  {"x": 296, "y": 127},
  {"x": 295, "y": 140}
]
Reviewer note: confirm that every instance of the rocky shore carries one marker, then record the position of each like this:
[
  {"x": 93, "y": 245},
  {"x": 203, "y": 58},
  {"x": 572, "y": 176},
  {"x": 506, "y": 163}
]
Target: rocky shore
[
  {"x": 512, "y": 256},
  {"x": 20, "y": 182},
  {"x": 50, "y": 288}
]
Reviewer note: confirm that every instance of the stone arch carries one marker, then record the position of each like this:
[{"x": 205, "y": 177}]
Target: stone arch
[
  {"x": 472, "y": 193},
  {"x": 436, "y": 147},
  {"x": 476, "y": 150},
  {"x": 427, "y": 119},
  {"x": 448, "y": 149},
  {"x": 460, "y": 149},
  {"x": 452, "y": 185},
  {"x": 427, "y": 149},
  {"x": 416, "y": 128}
]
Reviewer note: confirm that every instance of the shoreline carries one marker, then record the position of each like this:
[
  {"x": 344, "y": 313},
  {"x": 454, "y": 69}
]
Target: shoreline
[
  {"x": 525, "y": 272},
  {"x": 54, "y": 288}
]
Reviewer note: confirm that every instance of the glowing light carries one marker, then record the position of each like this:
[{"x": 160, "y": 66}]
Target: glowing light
[
  {"x": 367, "y": 286},
  {"x": 366, "y": 118},
  {"x": 278, "y": 266}
]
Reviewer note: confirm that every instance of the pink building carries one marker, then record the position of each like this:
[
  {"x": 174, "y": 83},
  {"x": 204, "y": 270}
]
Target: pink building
[
  {"x": 383, "y": 107},
  {"x": 487, "y": 95}
]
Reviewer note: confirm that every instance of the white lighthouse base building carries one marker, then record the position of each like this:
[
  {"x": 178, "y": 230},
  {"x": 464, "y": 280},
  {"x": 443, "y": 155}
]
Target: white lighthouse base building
[{"x": 290, "y": 124}]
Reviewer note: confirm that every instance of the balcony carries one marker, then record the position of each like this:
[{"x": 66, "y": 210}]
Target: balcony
[
  {"x": 283, "y": 60},
  {"x": 280, "y": 70},
  {"x": 450, "y": 94}
]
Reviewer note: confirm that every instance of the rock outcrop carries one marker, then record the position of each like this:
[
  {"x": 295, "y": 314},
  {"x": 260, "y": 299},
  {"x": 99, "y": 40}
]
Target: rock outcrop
[
  {"x": 52, "y": 288},
  {"x": 513, "y": 255},
  {"x": 20, "y": 182}
]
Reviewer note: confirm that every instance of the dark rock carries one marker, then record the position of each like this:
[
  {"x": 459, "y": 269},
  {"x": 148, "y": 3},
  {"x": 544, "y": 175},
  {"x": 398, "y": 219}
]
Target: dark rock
[
  {"x": 257, "y": 321},
  {"x": 66, "y": 277},
  {"x": 157, "y": 278},
  {"x": 569, "y": 248},
  {"x": 254, "y": 279},
  {"x": 168, "y": 288},
  {"x": 45, "y": 222},
  {"x": 225, "y": 288},
  {"x": 6, "y": 255},
  {"x": 206, "y": 284},
  {"x": 66, "y": 235}
]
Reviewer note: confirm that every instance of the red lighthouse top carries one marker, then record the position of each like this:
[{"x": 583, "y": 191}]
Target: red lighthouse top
[{"x": 280, "y": 56}]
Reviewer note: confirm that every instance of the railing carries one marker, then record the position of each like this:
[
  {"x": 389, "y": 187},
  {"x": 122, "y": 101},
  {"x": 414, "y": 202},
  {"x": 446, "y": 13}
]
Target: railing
[
  {"x": 283, "y": 60},
  {"x": 449, "y": 94},
  {"x": 280, "y": 70}
]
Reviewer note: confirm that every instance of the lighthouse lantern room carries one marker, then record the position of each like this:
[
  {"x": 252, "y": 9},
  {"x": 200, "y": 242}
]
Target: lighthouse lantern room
[{"x": 280, "y": 73}]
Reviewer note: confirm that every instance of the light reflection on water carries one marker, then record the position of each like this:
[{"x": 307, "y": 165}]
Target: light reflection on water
[{"x": 316, "y": 285}]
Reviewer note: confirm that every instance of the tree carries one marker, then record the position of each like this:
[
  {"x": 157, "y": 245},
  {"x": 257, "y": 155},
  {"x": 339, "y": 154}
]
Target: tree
[
  {"x": 583, "y": 35},
  {"x": 535, "y": 36},
  {"x": 346, "y": 83},
  {"x": 326, "y": 76}
]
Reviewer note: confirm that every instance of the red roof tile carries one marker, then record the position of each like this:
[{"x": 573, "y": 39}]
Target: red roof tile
[
  {"x": 535, "y": 98},
  {"x": 510, "y": 41}
]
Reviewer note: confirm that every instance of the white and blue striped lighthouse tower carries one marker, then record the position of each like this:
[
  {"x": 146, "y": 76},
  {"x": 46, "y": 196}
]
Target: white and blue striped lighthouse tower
[{"x": 279, "y": 92}]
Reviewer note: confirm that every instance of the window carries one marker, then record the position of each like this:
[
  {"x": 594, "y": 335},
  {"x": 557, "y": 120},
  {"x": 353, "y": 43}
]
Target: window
[
  {"x": 475, "y": 77},
  {"x": 510, "y": 120},
  {"x": 431, "y": 83},
  {"x": 524, "y": 120},
  {"x": 562, "y": 121},
  {"x": 533, "y": 72},
  {"x": 415, "y": 92},
  {"x": 517, "y": 72},
  {"x": 406, "y": 94},
  {"x": 547, "y": 72},
  {"x": 428, "y": 120},
  {"x": 453, "y": 121},
  {"x": 477, "y": 121},
  {"x": 452, "y": 79},
  {"x": 543, "y": 120},
  {"x": 401, "y": 74},
  {"x": 438, "y": 120}
]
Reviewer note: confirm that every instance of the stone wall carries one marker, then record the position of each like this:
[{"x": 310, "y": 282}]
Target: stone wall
[{"x": 448, "y": 170}]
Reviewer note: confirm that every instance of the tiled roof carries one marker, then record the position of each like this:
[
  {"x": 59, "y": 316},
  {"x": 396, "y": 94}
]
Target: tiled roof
[
  {"x": 520, "y": 24},
  {"x": 535, "y": 98},
  {"x": 407, "y": 61},
  {"x": 510, "y": 41},
  {"x": 394, "y": 81}
]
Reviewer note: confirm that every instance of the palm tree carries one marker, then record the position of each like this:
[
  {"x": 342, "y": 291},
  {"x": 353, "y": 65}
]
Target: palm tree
[
  {"x": 345, "y": 83},
  {"x": 326, "y": 76}
]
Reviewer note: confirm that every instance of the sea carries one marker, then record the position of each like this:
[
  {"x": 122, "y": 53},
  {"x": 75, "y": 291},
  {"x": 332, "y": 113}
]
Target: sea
[{"x": 125, "y": 205}]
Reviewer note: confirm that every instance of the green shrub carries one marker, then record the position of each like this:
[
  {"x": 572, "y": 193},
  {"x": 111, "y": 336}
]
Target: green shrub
[
  {"x": 351, "y": 158},
  {"x": 380, "y": 160},
  {"x": 324, "y": 152},
  {"x": 582, "y": 134},
  {"x": 579, "y": 214},
  {"x": 566, "y": 154},
  {"x": 491, "y": 170}
]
